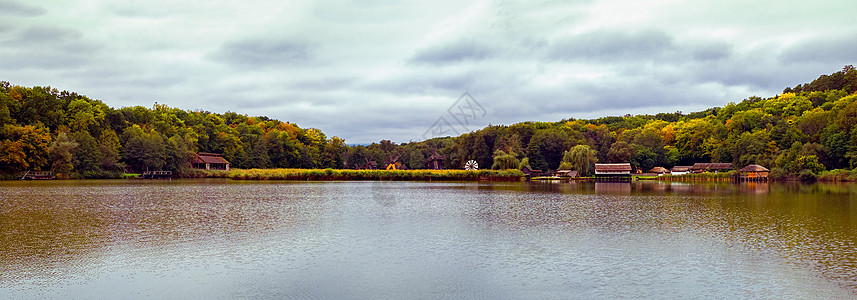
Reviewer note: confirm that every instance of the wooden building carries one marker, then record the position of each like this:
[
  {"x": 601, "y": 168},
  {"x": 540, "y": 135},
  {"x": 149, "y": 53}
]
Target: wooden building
[
  {"x": 435, "y": 161},
  {"x": 209, "y": 161},
  {"x": 754, "y": 173},
  {"x": 659, "y": 170},
  {"x": 613, "y": 172},
  {"x": 567, "y": 173},
  {"x": 529, "y": 172},
  {"x": 711, "y": 167},
  {"x": 680, "y": 170}
]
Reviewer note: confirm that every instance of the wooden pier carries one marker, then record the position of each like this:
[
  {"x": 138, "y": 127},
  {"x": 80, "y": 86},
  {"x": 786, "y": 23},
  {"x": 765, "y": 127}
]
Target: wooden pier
[
  {"x": 38, "y": 175},
  {"x": 157, "y": 175}
]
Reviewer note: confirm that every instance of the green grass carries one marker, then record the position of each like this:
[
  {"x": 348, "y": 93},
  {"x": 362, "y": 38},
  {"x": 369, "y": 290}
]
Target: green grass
[
  {"x": 721, "y": 176},
  {"x": 332, "y": 174}
]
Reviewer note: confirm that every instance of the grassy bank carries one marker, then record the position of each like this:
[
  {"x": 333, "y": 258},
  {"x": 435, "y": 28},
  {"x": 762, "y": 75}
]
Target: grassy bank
[
  {"x": 331, "y": 174},
  {"x": 721, "y": 176}
]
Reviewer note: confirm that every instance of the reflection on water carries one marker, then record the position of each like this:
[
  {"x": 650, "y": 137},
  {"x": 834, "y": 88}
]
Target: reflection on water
[{"x": 220, "y": 238}]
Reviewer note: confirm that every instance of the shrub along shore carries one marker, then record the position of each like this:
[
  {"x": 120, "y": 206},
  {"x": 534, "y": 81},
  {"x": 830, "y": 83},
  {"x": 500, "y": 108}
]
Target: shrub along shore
[{"x": 346, "y": 174}]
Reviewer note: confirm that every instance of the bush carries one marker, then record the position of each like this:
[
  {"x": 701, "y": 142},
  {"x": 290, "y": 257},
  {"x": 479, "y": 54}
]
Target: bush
[
  {"x": 807, "y": 176},
  {"x": 836, "y": 175},
  {"x": 778, "y": 174}
]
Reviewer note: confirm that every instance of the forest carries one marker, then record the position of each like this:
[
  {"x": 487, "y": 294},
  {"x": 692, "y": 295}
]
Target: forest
[
  {"x": 807, "y": 128},
  {"x": 78, "y": 137}
]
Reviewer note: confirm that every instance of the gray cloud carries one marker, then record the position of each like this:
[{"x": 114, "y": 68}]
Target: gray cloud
[
  {"x": 612, "y": 44},
  {"x": 17, "y": 9},
  {"x": 366, "y": 70},
  {"x": 711, "y": 51},
  {"x": 470, "y": 49},
  {"x": 838, "y": 49},
  {"x": 262, "y": 52},
  {"x": 46, "y": 48}
]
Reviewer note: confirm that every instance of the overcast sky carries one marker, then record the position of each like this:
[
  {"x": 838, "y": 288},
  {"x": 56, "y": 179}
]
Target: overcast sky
[{"x": 384, "y": 69}]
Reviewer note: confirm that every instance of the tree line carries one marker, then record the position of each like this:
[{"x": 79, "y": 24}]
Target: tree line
[
  {"x": 811, "y": 127},
  {"x": 42, "y": 128}
]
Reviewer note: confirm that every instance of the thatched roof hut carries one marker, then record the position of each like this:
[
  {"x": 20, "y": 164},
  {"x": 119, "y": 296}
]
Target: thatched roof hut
[
  {"x": 659, "y": 170},
  {"x": 681, "y": 169},
  {"x": 754, "y": 173}
]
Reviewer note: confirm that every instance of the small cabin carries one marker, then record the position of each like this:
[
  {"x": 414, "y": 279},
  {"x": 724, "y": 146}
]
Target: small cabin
[
  {"x": 754, "y": 173},
  {"x": 209, "y": 161},
  {"x": 567, "y": 173},
  {"x": 681, "y": 170},
  {"x": 613, "y": 172},
  {"x": 529, "y": 172}
]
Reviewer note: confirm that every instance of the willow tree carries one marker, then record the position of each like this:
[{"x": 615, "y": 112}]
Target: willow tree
[
  {"x": 580, "y": 158},
  {"x": 504, "y": 161}
]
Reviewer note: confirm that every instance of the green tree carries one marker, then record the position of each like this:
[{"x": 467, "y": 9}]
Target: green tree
[
  {"x": 61, "y": 154},
  {"x": 620, "y": 152},
  {"x": 581, "y": 158},
  {"x": 86, "y": 155},
  {"x": 177, "y": 154},
  {"x": 503, "y": 160},
  {"x": 144, "y": 151}
]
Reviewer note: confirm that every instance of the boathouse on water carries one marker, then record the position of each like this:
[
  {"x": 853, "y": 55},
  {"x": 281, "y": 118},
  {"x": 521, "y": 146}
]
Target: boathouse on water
[
  {"x": 754, "y": 173},
  {"x": 209, "y": 161},
  {"x": 613, "y": 172}
]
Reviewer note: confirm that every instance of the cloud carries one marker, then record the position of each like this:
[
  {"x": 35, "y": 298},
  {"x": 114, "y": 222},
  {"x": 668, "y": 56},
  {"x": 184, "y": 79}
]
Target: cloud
[
  {"x": 45, "y": 48},
  {"x": 368, "y": 69},
  {"x": 612, "y": 45},
  {"x": 17, "y": 9},
  {"x": 469, "y": 49},
  {"x": 711, "y": 51},
  {"x": 836, "y": 49},
  {"x": 262, "y": 52}
]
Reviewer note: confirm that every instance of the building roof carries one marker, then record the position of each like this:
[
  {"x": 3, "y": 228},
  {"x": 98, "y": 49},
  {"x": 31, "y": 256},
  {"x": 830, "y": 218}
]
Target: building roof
[
  {"x": 712, "y": 166},
  {"x": 681, "y": 168},
  {"x": 659, "y": 170},
  {"x": 569, "y": 173},
  {"x": 754, "y": 168},
  {"x": 209, "y": 158},
  {"x": 620, "y": 167}
]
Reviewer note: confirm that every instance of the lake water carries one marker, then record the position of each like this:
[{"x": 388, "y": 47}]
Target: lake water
[{"x": 205, "y": 239}]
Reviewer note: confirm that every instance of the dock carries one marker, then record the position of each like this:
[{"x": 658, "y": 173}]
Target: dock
[{"x": 157, "y": 175}]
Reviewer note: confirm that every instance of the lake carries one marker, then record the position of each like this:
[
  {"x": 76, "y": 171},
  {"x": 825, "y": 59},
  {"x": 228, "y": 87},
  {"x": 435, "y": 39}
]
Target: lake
[{"x": 121, "y": 239}]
